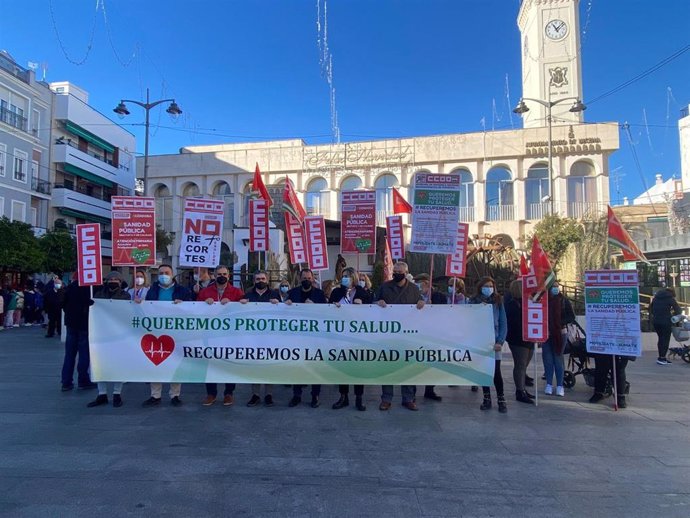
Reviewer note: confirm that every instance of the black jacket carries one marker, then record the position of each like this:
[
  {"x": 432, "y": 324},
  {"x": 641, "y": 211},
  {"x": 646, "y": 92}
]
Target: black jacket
[
  {"x": 514, "y": 319},
  {"x": 316, "y": 295},
  {"x": 360, "y": 293},
  {"x": 179, "y": 292},
  {"x": 663, "y": 307},
  {"x": 253, "y": 296},
  {"x": 76, "y": 307},
  {"x": 103, "y": 292}
]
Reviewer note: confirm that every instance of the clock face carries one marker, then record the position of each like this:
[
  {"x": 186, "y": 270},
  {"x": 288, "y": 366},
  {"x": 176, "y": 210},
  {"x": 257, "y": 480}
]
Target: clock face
[{"x": 556, "y": 30}]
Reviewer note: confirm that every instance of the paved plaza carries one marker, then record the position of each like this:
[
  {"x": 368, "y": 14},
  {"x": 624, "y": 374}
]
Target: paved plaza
[{"x": 564, "y": 458}]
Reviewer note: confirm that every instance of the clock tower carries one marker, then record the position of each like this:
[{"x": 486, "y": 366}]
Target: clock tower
[{"x": 551, "y": 68}]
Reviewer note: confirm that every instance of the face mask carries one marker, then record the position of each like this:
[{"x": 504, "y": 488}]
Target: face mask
[
  {"x": 362, "y": 284},
  {"x": 397, "y": 277},
  {"x": 260, "y": 285},
  {"x": 58, "y": 285},
  {"x": 284, "y": 289},
  {"x": 196, "y": 277},
  {"x": 139, "y": 281},
  {"x": 221, "y": 280},
  {"x": 555, "y": 290},
  {"x": 112, "y": 286},
  {"x": 345, "y": 281},
  {"x": 451, "y": 290},
  {"x": 487, "y": 292},
  {"x": 164, "y": 280},
  {"x": 306, "y": 285}
]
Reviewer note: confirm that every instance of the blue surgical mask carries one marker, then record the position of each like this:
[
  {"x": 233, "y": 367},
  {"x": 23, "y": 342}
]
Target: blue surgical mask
[
  {"x": 555, "y": 290},
  {"x": 345, "y": 282},
  {"x": 487, "y": 291},
  {"x": 164, "y": 280},
  {"x": 284, "y": 289},
  {"x": 362, "y": 284},
  {"x": 451, "y": 290}
]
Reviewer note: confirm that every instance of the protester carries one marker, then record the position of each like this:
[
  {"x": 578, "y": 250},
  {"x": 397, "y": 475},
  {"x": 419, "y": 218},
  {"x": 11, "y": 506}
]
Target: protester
[
  {"x": 2, "y": 309},
  {"x": 220, "y": 291},
  {"x": 166, "y": 289},
  {"x": 349, "y": 293},
  {"x": 283, "y": 290},
  {"x": 260, "y": 292},
  {"x": 19, "y": 310},
  {"x": 202, "y": 279},
  {"x": 141, "y": 286},
  {"x": 456, "y": 291},
  {"x": 486, "y": 294},
  {"x": 399, "y": 290},
  {"x": 39, "y": 319},
  {"x": 430, "y": 296},
  {"x": 661, "y": 309},
  {"x": 53, "y": 300},
  {"x": 111, "y": 290},
  {"x": 365, "y": 282},
  {"x": 29, "y": 304},
  {"x": 308, "y": 294},
  {"x": 522, "y": 351},
  {"x": 77, "y": 300},
  {"x": 560, "y": 315},
  {"x": 603, "y": 365},
  {"x": 10, "y": 295}
]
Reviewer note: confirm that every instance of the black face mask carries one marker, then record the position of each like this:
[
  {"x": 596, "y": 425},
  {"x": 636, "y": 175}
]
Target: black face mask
[
  {"x": 397, "y": 277},
  {"x": 112, "y": 286},
  {"x": 221, "y": 280},
  {"x": 260, "y": 285},
  {"x": 306, "y": 285}
]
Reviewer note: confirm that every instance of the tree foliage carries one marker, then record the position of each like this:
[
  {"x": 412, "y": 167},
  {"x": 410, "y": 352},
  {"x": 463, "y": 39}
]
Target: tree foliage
[
  {"x": 556, "y": 234},
  {"x": 163, "y": 240},
  {"x": 60, "y": 251},
  {"x": 19, "y": 249}
]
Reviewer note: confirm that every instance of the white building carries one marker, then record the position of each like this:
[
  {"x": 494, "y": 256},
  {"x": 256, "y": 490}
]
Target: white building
[
  {"x": 92, "y": 160},
  {"x": 684, "y": 136},
  {"x": 506, "y": 187}
]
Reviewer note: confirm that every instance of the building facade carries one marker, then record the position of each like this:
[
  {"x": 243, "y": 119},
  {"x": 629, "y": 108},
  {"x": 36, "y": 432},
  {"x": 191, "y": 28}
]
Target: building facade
[{"x": 25, "y": 112}]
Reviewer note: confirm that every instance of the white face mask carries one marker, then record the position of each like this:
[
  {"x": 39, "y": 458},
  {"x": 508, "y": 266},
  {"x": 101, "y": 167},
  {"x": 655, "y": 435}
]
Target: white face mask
[
  {"x": 362, "y": 284},
  {"x": 139, "y": 281},
  {"x": 196, "y": 277},
  {"x": 58, "y": 285}
]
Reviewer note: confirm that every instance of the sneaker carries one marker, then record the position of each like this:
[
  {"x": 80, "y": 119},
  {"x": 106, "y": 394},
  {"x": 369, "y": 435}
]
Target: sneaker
[
  {"x": 176, "y": 401},
  {"x": 101, "y": 399},
  {"x": 548, "y": 390},
  {"x": 228, "y": 400},
  {"x": 152, "y": 401},
  {"x": 268, "y": 400},
  {"x": 663, "y": 361},
  {"x": 209, "y": 400},
  {"x": 560, "y": 392},
  {"x": 117, "y": 400},
  {"x": 255, "y": 400}
]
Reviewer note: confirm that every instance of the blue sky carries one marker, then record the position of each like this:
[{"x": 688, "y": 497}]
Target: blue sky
[{"x": 249, "y": 70}]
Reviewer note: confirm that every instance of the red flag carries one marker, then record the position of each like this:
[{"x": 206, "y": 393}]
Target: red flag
[
  {"x": 291, "y": 202},
  {"x": 524, "y": 269},
  {"x": 259, "y": 188},
  {"x": 542, "y": 269},
  {"x": 387, "y": 263},
  {"x": 619, "y": 237},
  {"x": 400, "y": 206}
]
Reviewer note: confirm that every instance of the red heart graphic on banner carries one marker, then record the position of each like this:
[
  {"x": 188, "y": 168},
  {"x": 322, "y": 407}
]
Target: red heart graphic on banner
[{"x": 157, "y": 348}]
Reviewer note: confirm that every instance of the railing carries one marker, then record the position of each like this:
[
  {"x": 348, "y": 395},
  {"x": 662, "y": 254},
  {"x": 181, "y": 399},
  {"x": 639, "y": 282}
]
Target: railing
[
  {"x": 466, "y": 214},
  {"x": 500, "y": 212},
  {"x": 579, "y": 210},
  {"x": 82, "y": 190},
  {"x": 538, "y": 210},
  {"x": 20, "y": 177},
  {"x": 13, "y": 119},
  {"x": 42, "y": 186}
]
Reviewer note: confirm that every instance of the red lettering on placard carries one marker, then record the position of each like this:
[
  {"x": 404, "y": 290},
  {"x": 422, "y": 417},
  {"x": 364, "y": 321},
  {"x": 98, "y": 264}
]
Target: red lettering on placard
[
  {"x": 89, "y": 265},
  {"x": 395, "y": 237},
  {"x": 315, "y": 233}
]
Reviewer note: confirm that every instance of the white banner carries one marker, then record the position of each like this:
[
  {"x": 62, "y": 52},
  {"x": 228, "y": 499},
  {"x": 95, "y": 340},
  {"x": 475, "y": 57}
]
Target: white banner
[
  {"x": 436, "y": 213},
  {"x": 202, "y": 227},
  {"x": 194, "y": 342}
]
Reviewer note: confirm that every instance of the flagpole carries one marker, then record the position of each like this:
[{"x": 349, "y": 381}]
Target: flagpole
[
  {"x": 431, "y": 277},
  {"x": 536, "y": 375},
  {"x": 615, "y": 394}
]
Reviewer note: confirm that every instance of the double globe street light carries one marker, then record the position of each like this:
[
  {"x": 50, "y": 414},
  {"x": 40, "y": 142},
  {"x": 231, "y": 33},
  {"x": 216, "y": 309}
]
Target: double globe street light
[
  {"x": 121, "y": 110},
  {"x": 578, "y": 106}
]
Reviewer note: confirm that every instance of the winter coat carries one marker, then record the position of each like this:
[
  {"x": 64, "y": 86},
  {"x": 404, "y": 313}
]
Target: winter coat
[
  {"x": 514, "y": 321},
  {"x": 663, "y": 307},
  {"x": 360, "y": 293}
]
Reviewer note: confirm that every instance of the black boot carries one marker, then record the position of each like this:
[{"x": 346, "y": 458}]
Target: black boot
[
  {"x": 502, "y": 407},
  {"x": 342, "y": 402},
  {"x": 102, "y": 399},
  {"x": 486, "y": 404},
  {"x": 621, "y": 402},
  {"x": 529, "y": 381},
  {"x": 522, "y": 397},
  {"x": 359, "y": 405}
]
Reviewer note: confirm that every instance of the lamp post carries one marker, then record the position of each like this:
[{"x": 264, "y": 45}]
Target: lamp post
[
  {"x": 121, "y": 110},
  {"x": 577, "y": 106}
]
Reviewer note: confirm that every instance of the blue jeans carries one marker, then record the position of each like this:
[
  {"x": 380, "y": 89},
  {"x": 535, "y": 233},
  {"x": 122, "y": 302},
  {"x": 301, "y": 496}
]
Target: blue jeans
[
  {"x": 408, "y": 393},
  {"x": 552, "y": 361},
  {"x": 76, "y": 343}
]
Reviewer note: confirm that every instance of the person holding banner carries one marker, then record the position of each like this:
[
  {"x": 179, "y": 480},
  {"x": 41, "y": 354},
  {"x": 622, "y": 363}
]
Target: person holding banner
[
  {"x": 260, "y": 292},
  {"x": 201, "y": 280},
  {"x": 283, "y": 290},
  {"x": 365, "y": 282},
  {"x": 111, "y": 290},
  {"x": 349, "y": 293},
  {"x": 522, "y": 351},
  {"x": 220, "y": 291},
  {"x": 560, "y": 315},
  {"x": 306, "y": 293},
  {"x": 430, "y": 296},
  {"x": 399, "y": 290},
  {"x": 166, "y": 289},
  {"x": 486, "y": 294},
  {"x": 77, "y": 300},
  {"x": 456, "y": 291}
]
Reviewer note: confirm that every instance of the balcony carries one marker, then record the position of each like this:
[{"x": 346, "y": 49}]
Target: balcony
[
  {"x": 64, "y": 198},
  {"x": 14, "y": 119},
  {"x": 582, "y": 209},
  {"x": 466, "y": 214},
  {"x": 40, "y": 186},
  {"x": 500, "y": 212},
  {"x": 538, "y": 210},
  {"x": 103, "y": 171}
]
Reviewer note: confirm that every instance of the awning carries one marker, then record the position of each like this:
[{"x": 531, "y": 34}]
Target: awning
[
  {"x": 84, "y": 216},
  {"x": 77, "y": 171},
  {"x": 90, "y": 137}
]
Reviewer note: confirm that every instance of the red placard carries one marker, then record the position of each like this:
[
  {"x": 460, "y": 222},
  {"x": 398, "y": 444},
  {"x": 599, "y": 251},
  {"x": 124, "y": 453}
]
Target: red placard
[
  {"x": 134, "y": 231},
  {"x": 315, "y": 233},
  {"x": 358, "y": 222},
  {"x": 89, "y": 262},
  {"x": 395, "y": 237},
  {"x": 456, "y": 262},
  {"x": 202, "y": 231},
  {"x": 258, "y": 225},
  {"x": 296, "y": 242},
  {"x": 535, "y": 315}
]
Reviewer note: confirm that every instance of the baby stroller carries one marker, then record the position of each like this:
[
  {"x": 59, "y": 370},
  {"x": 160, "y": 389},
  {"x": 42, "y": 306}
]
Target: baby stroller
[{"x": 681, "y": 334}]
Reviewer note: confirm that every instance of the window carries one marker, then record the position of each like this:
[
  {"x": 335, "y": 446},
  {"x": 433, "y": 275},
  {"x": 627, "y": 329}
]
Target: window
[
  {"x": 36, "y": 128},
  {"x": 164, "y": 208},
  {"x": 384, "y": 198},
  {"x": 3, "y": 157},
  {"x": 582, "y": 190},
  {"x": 223, "y": 192},
  {"x": 18, "y": 211},
  {"x": 20, "y": 161},
  {"x": 351, "y": 183},
  {"x": 499, "y": 194},
  {"x": 317, "y": 197},
  {"x": 2, "y": 206},
  {"x": 537, "y": 187}
]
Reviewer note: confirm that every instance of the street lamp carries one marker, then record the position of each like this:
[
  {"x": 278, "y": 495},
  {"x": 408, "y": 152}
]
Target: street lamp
[
  {"x": 577, "y": 106},
  {"x": 121, "y": 110}
]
